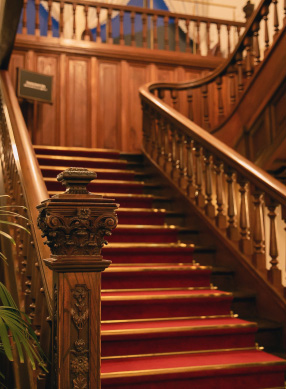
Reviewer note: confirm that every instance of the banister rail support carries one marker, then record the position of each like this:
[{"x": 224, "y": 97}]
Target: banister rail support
[{"x": 75, "y": 224}]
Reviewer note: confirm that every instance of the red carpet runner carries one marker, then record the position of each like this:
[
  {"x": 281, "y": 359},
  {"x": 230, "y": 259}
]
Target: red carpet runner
[{"x": 163, "y": 324}]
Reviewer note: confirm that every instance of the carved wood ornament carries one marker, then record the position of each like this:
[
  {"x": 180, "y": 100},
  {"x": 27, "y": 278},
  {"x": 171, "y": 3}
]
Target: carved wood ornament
[{"x": 75, "y": 224}]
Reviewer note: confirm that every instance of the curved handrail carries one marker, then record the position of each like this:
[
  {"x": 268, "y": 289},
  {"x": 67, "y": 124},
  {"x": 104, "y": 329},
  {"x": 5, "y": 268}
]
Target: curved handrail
[
  {"x": 257, "y": 176},
  {"x": 221, "y": 69},
  {"x": 31, "y": 180},
  {"x": 243, "y": 196},
  {"x": 230, "y": 80}
]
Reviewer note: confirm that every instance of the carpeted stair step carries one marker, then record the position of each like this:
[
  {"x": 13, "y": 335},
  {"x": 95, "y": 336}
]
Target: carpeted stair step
[
  {"x": 91, "y": 163},
  {"x": 102, "y": 174},
  {"x": 181, "y": 334},
  {"x": 129, "y": 200},
  {"x": 233, "y": 369},
  {"x": 134, "y": 304},
  {"x": 135, "y": 216},
  {"x": 77, "y": 152},
  {"x": 96, "y": 186},
  {"x": 144, "y": 233},
  {"x": 164, "y": 275},
  {"x": 148, "y": 252}
]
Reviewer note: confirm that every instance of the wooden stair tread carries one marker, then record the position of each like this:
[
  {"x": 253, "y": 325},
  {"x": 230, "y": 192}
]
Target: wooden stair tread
[
  {"x": 195, "y": 325},
  {"x": 189, "y": 362}
]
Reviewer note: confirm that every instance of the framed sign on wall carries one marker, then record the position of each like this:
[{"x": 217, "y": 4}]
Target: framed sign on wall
[{"x": 34, "y": 86}]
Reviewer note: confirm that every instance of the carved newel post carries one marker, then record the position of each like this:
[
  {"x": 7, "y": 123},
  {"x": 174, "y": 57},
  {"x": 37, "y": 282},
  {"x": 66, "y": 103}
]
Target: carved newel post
[{"x": 75, "y": 224}]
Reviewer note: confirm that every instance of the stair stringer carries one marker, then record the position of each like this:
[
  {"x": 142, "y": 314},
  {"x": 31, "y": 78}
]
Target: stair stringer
[{"x": 269, "y": 303}]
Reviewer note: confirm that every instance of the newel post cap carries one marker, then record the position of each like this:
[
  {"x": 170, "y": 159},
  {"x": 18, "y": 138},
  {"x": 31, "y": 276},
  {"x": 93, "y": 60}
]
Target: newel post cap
[{"x": 76, "y": 224}]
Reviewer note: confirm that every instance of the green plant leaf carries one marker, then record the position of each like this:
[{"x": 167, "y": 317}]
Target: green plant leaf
[
  {"x": 10, "y": 213},
  {"x": 14, "y": 225},
  {"x": 8, "y": 237},
  {"x": 6, "y": 297},
  {"x": 5, "y": 340}
]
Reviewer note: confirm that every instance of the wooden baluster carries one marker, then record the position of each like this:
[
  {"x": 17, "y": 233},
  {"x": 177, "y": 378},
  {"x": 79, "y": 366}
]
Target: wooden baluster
[
  {"x": 228, "y": 39},
  {"x": 209, "y": 207},
  {"x": 86, "y": 31},
  {"x": 191, "y": 188},
  {"x": 176, "y": 24},
  {"x": 24, "y": 20},
  {"x": 155, "y": 32},
  {"x": 188, "y": 46},
  {"x": 109, "y": 38},
  {"x": 265, "y": 12},
  {"x": 240, "y": 84},
  {"x": 238, "y": 32},
  {"x": 161, "y": 149},
  {"x": 220, "y": 217},
  {"x": 153, "y": 136},
  {"x": 206, "y": 123},
  {"x": 198, "y": 51},
  {"x": 218, "y": 40},
  {"x": 166, "y": 32},
  {"x": 200, "y": 198},
  {"x": 232, "y": 94},
  {"x": 144, "y": 30},
  {"x": 146, "y": 126},
  {"x": 50, "y": 30},
  {"x": 62, "y": 5},
  {"x": 258, "y": 233},
  {"x": 175, "y": 160},
  {"x": 274, "y": 274},
  {"x": 275, "y": 19},
  {"x": 248, "y": 60},
  {"x": 167, "y": 155},
  {"x": 174, "y": 96},
  {"x": 181, "y": 163},
  {"x": 232, "y": 229},
  {"x": 208, "y": 39},
  {"x": 132, "y": 17},
  {"x": 256, "y": 49},
  {"x": 121, "y": 33},
  {"x": 98, "y": 27},
  {"x": 190, "y": 104},
  {"x": 245, "y": 243},
  {"x": 37, "y": 17},
  {"x": 220, "y": 100},
  {"x": 74, "y": 21}
]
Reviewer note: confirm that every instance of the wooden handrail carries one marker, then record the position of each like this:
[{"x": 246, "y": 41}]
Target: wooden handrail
[
  {"x": 230, "y": 80},
  {"x": 31, "y": 180},
  {"x": 227, "y": 190},
  {"x": 259, "y": 177},
  {"x": 178, "y": 24}
]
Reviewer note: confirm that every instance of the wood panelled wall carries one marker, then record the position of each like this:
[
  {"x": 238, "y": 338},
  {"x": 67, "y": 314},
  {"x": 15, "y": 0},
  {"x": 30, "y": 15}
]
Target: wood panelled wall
[{"x": 95, "y": 95}]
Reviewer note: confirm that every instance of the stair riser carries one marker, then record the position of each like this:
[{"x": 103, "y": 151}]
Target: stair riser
[
  {"x": 217, "y": 380},
  {"x": 133, "y": 218},
  {"x": 111, "y": 187},
  {"x": 78, "y": 153},
  {"x": 123, "y": 236},
  {"x": 174, "y": 342},
  {"x": 144, "y": 256},
  {"x": 124, "y": 310},
  {"x": 134, "y": 203},
  {"x": 155, "y": 280},
  {"x": 100, "y": 175},
  {"x": 83, "y": 163}
]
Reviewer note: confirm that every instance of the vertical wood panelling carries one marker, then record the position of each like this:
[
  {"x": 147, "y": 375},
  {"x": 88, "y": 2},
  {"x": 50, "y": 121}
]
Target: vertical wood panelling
[
  {"x": 78, "y": 103},
  {"x": 17, "y": 61},
  {"x": 132, "y": 133},
  {"x": 95, "y": 100},
  {"x": 46, "y": 131},
  {"x": 108, "y": 129}
]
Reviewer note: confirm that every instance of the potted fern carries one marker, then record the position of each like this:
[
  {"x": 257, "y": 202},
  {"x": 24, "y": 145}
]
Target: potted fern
[{"x": 16, "y": 333}]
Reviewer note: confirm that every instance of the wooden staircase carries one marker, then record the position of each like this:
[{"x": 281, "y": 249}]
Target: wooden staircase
[{"x": 164, "y": 321}]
